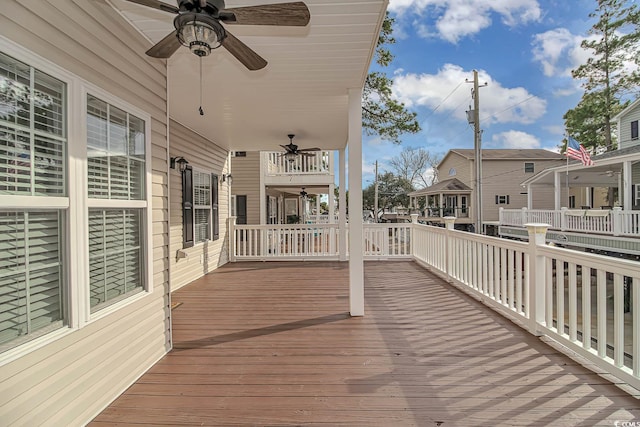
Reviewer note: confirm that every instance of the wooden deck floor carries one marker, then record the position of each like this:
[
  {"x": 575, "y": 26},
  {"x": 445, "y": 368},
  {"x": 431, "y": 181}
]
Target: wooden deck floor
[{"x": 272, "y": 344}]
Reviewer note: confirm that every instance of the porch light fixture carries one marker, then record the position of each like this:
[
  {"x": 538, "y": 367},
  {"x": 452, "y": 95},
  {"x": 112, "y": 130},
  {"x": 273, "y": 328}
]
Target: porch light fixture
[
  {"x": 199, "y": 32},
  {"x": 226, "y": 177},
  {"x": 181, "y": 161}
]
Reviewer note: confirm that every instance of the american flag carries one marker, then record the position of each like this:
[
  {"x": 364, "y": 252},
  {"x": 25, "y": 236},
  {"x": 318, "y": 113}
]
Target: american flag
[{"x": 578, "y": 152}]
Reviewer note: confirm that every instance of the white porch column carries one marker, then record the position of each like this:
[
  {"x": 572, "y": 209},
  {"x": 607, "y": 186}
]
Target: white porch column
[
  {"x": 587, "y": 197},
  {"x": 356, "y": 260},
  {"x": 263, "y": 190},
  {"x": 342, "y": 206},
  {"x": 557, "y": 190},
  {"x": 529, "y": 196},
  {"x": 627, "y": 176},
  {"x": 537, "y": 286},
  {"x": 332, "y": 204}
]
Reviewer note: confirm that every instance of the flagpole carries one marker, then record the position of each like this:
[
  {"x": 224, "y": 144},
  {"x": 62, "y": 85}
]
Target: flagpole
[{"x": 567, "y": 172}]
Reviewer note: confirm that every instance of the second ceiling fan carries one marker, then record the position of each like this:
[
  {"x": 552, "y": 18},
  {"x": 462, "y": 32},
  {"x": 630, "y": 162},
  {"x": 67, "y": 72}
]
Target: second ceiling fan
[{"x": 198, "y": 26}]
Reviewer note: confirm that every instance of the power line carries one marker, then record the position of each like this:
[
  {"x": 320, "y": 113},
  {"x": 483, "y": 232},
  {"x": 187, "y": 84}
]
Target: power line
[{"x": 442, "y": 102}]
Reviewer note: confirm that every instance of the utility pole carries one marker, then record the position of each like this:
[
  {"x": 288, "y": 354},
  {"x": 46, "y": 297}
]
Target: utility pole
[
  {"x": 375, "y": 197},
  {"x": 474, "y": 118}
]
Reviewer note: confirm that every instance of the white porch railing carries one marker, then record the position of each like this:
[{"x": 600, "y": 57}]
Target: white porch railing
[
  {"x": 315, "y": 241},
  {"x": 614, "y": 222},
  {"x": 277, "y": 164},
  {"x": 321, "y": 219},
  {"x": 589, "y": 303}
]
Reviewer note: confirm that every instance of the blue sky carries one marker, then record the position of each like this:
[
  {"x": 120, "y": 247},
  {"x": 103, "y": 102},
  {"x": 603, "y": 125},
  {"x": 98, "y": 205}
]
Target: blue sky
[{"x": 523, "y": 49}]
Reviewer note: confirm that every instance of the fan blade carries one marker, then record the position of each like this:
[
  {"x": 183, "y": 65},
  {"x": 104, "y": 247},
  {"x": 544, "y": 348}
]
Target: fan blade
[
  {"x": 243, "y": 53},
  {"x": 165, "y": 47},
  {"x": 156, "y": 4},
  {"x": 295, "y": 14},
  {"x": 286, "y": 147},
  {"x": 309, "y": 149},
  {"x": 306, "y": 154}
]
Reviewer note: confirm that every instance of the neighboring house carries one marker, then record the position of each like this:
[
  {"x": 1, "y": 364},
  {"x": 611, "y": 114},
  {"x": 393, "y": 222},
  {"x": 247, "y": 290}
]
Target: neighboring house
[
  {"x": 617, "y": 170},
  {"x": 268, "y": 188},
  {"x": 600, "y": 210},
  {"x": 503, "y": 171},
  {"x": 114, "y": 190}
]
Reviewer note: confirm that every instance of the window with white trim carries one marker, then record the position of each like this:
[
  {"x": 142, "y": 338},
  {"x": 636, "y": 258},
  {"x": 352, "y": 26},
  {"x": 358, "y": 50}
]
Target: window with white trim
[
  {"x": 45, "y": 204},
  {"x": 634, "y": 129},
  {"x": 33, "y": 144},
  {"x": 529, "y": 167},
  {"x": 199, "y": 206},
  {"x": 502, "y": 200},
  {"x": 116, "y": 184}
]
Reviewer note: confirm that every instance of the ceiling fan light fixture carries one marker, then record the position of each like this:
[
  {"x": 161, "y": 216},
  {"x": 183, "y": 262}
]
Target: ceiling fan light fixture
[
  {"x": 199, "y": 32},
  {"x": 291, "y": 157}
]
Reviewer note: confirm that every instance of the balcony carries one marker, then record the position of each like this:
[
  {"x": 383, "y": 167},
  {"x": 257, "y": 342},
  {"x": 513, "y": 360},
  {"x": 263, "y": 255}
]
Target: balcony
[
  {"x": 278, "y": 165},
  {"x": 272, "y": 344}
]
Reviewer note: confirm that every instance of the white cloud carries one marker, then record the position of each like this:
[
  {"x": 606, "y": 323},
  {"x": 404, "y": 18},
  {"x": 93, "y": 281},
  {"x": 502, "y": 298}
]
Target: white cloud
[
  {"x": 515, "y": 139},
  {"x": 558, "y": 51},
  {"x": 498, "y": 104},
  {"x": 455, "y": 19}
]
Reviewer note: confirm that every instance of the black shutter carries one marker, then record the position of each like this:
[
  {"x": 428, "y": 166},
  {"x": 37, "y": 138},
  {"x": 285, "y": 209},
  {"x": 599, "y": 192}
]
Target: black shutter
[
  {"x": 187, "y": 207},
  {"x": 214, "y": 207},
  {"x": 497, "y": 200},
  {"x": 507, "y": 199},
  {"x": 634, "y": 129}
]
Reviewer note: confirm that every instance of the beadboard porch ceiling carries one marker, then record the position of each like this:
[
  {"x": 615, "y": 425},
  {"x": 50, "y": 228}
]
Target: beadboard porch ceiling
[{"x": 303, "y": 90}]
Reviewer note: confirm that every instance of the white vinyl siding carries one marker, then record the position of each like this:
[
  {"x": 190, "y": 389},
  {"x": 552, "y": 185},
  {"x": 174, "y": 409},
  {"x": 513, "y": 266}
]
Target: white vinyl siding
[
  {"x": 207, "y": 158},
  {"x": 67, "y": 376}
]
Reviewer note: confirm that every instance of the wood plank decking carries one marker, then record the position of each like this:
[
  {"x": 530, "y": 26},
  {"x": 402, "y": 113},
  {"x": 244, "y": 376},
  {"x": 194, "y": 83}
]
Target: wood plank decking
[{"x": 272, "y": 344}]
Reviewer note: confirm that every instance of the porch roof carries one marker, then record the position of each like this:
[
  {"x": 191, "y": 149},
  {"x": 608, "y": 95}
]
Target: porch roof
[
  {"x": 303, "y": 90},
  {"x": 603, "y": 174},
  {"x": 453, "y": 185},
  {"x": 273, "y": 344}
]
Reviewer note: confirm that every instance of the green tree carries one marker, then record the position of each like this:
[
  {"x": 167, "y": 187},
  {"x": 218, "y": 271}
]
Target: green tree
[
  {"x": 382, "y": 114},
  {"x": 613, "y": 45},
  {"x": 393, "y": 191}
]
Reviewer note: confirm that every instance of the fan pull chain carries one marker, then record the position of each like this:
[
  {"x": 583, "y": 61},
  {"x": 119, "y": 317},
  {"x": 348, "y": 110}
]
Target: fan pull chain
[{"x": 200, "y": 108}]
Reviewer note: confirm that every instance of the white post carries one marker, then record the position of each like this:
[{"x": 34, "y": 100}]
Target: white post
[
  {"x": 412, "y": 236},
  {"x": 232, "y": 238},
  {"x": 587, "y": 196},
  {"x": 563, "y": 219},
  {"x": 342, "y": 206},
  {"x": 627, "y": 181},
  {"x": 448, "y": 249},
  {"x": 557, "y": 190},
  {"x": 263, "y": 191},
  {"x": 537, "y": 236},
  {"x": 356, "y": 259},
  {"x": 332, "y": 204},
  {"x": 529, "y": 196},
  {"x": 617, "y": 221},
  {"x": 523, "y": 216}
]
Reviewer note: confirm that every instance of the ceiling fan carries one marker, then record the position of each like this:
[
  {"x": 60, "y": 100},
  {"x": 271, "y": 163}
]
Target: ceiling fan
[
  {"x": 198, "y": 26},
  {"x": 303, "y": 193},
  {"x": 292, "y": 150}
]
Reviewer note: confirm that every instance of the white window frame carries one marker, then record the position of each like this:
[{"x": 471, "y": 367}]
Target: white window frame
[
  {"x": 209, "y": 174},
  {"x": 86, "y": 89},
  {"x": 232, "y": 206},
  {"x": 76, "y": 203},
  {"x": 637, "y": 195},
  {"x": 533, "y": 167},
  {"x": 502, "y": 200}
]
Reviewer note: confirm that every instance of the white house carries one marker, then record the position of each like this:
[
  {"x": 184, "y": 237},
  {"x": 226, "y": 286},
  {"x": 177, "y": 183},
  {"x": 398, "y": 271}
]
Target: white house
[{"x": 113, "y": 185}]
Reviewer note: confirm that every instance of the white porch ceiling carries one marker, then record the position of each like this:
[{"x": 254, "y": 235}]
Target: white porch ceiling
[{"x": 303, "y": 90}]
